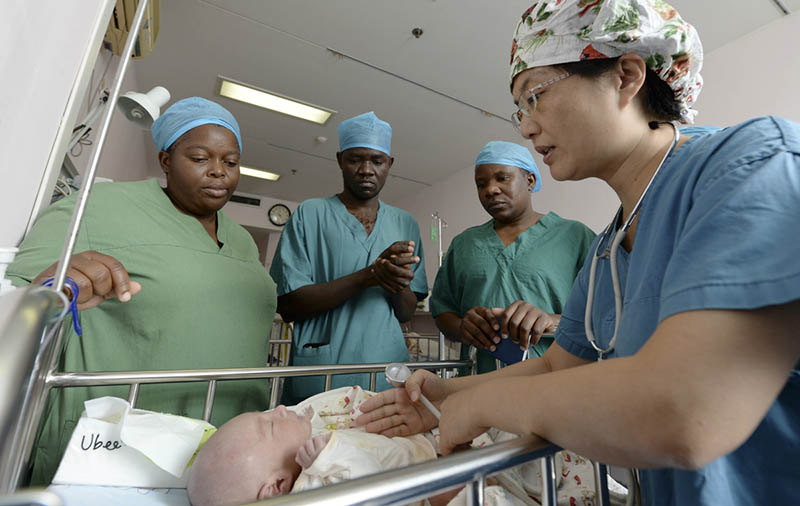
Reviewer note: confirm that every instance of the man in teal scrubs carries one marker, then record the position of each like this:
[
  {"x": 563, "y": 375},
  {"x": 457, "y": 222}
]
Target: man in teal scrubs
[
  {"x": 350, "y": 268},
  {"x": 512, "y": 275}
]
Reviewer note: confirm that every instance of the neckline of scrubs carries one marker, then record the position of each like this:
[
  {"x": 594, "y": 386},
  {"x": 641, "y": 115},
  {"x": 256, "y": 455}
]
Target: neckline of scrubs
[
  {"x": 355, "y": 226},
  {"x": 658, "y": 180},
  {"x": 530, "y": 233},
  {"x": 193, "y": 223}
]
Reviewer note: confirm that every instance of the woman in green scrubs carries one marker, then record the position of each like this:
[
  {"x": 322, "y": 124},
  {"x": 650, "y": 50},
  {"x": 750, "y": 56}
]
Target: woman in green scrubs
[
  {"x": 166, "y": 280},
  {"x": 510, "y": 276}
]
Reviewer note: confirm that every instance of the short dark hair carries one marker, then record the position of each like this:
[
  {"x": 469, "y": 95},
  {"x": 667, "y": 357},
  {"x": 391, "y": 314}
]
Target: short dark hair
[{"x": 658, "y": 98}]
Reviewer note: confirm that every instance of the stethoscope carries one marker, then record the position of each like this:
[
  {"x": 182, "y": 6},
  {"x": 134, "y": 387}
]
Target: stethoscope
[{"x": 611, "y": 253}]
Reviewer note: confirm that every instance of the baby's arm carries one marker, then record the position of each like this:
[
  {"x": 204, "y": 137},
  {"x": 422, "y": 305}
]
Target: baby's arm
[{"x": 308, "y": 453}]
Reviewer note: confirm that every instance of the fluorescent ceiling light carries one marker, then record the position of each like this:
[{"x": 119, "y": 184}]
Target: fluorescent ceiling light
[
  {"x": 262, "y": 174},
  {"x": 273, "y": 101}
]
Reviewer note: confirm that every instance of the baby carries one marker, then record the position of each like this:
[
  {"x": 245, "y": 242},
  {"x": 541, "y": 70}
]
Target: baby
[{"x": 264, "y": 454}]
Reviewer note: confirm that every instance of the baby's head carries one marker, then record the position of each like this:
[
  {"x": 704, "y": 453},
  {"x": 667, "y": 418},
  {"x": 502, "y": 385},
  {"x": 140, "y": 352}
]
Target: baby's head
[{"x": 250, "y": 457}]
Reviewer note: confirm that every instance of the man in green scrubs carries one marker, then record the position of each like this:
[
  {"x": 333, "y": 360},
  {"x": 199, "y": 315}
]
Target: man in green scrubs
[
  {"x": 195, "y": 294},
  {"x": 349, "y": 267},
  {"x": 510, "y": 276}
]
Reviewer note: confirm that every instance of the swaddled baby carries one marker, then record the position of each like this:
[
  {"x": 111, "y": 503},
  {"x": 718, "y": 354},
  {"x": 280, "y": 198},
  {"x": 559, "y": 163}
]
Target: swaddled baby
[{"x": 264, "y": 454}]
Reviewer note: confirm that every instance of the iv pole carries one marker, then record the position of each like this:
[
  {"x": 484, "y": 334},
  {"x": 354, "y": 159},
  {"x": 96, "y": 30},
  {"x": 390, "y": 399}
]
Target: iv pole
[{"x": 439, "y": 224}]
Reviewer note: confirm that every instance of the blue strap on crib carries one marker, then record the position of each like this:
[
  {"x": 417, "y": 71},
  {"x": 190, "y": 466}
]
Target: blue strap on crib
[{"x": 73, "y": 304}]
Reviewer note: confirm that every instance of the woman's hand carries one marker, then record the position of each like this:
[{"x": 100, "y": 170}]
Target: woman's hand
[
  {"x": 99, "y": 277},
  {"x": 520, "y": 320},
  {"x": 308, "y": 453},
  {"x": 397, "y": 412},
  {"x": 480, "y": 328},
  {"x": 460, "y": 422}
]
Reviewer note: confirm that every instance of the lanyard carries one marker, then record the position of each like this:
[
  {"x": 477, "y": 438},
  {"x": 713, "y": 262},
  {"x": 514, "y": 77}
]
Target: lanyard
[{"x": 611, "y": 254}]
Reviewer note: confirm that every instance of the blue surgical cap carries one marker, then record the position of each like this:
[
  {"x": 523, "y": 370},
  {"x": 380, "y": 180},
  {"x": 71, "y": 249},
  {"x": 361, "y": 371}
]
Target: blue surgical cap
[
  {"x": 365, "y": 131},
  {"x": 189, "y": 113},
  {"x": 508, "y": 153}
]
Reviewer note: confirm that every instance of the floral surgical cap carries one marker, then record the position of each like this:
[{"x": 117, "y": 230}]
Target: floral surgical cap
[
  {"x": 508, "y": 153},
  {"x": 190, "y": 113},
  {"x": 552, "y": 32}
]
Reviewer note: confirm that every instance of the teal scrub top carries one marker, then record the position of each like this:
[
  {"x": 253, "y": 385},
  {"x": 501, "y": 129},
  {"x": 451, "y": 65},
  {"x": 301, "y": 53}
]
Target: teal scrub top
[
  {"x": 201, "y": 306},
  {"x": 323, "y": 242},
  {"x": 718, "y": 229},
  {"x": 539, "y": 267}
]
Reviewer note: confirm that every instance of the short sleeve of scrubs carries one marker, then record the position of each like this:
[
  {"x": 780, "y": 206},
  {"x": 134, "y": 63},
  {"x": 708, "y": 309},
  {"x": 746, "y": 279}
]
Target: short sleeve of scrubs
[
  {"x": 419, "y": 284},
  {"x": 291, "y": 266},
  {"x": 443, "y": 296},
  {"x": 738, "y": 248}
]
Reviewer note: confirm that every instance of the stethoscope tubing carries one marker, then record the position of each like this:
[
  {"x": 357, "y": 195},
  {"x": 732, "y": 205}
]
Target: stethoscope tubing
[{"x": 612, "y": 254}]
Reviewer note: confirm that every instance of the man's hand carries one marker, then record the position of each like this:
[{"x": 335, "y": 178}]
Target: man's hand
[
  {"x": 99, "y": 277},
  {"x": 480, "y": 328},
  {"x": 308, "y": 453},
  {"x": 520, "y": 320},
  {"x": 392, "y": 268}
]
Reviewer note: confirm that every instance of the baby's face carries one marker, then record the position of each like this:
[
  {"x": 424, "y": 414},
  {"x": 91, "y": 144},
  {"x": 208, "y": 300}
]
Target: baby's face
[
  {"x": 283, "y": 432},
  {"x": 242, "y": 459},
  {"x": 276, "y": 434}
]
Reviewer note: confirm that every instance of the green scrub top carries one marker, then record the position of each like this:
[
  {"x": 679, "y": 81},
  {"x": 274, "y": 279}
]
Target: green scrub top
[
  {"x": 201, "y": 306},
  {"x": 539, "y": 267},
  {"x": 323, "y": 242}
]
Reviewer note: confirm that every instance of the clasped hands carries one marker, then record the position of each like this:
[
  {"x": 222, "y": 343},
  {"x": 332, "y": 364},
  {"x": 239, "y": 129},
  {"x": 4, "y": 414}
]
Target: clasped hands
[
  {"x": 392, "y": 269},
  {"x": 483, "y": 327}
]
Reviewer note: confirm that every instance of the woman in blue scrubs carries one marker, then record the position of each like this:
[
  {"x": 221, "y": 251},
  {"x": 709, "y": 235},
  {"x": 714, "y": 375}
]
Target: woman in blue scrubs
[{"x": 699, "y": 383}]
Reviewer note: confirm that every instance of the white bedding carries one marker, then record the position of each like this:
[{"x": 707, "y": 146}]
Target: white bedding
[{"x": 93, "y": 495}]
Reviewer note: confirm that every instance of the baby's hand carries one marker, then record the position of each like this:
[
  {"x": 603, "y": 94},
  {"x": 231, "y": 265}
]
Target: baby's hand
[{"x": 308, "y": 453}]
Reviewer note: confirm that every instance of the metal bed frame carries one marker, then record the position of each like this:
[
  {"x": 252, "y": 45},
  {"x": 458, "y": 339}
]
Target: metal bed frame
[{"x": 31, "y": 340}]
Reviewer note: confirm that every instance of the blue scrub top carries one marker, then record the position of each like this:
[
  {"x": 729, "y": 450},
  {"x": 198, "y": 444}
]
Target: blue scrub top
[
  {"x": 323, "y": 242},
  {"x": 719, "y": 229}
]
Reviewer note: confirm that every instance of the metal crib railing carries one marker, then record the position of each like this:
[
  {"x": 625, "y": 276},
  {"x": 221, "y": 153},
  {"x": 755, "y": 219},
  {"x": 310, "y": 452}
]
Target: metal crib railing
[{"x": 136, "y": 378}]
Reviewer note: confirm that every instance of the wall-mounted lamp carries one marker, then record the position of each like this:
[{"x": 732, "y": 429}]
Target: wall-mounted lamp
[{"x": 143, "y": 108}]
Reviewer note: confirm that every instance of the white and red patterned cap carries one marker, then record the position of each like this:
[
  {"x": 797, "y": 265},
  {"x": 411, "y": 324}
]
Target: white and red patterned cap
[{"x": 552, "y": 32}]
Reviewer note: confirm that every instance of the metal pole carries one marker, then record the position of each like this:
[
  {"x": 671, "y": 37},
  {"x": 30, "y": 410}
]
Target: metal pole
[
  {"x": 274, "y": 393},
  {"x": 439, "y": 225},
  {"x": 133, "y": 394},
  {"x": 476, "y": 491},
  {"x": 601, "y": 483},
  {"x": 209, "y": 404},
  {"x": 80, "y": 207},
  {"x": 548, "y": 470}
]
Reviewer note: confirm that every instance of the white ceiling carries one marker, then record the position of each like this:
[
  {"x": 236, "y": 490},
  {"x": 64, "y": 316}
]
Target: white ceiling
[{"x": 281, "y": 45}]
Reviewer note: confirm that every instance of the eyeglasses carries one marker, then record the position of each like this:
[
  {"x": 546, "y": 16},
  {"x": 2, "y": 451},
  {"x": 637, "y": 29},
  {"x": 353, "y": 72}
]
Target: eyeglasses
[{"x": 530, "y": 99}]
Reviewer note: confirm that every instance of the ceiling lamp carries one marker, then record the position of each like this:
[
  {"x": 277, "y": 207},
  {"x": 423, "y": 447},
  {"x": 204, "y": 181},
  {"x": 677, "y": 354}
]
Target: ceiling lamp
[
  {"x": 261, "y": 174},
  {"x": 273, "y": 101}
]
